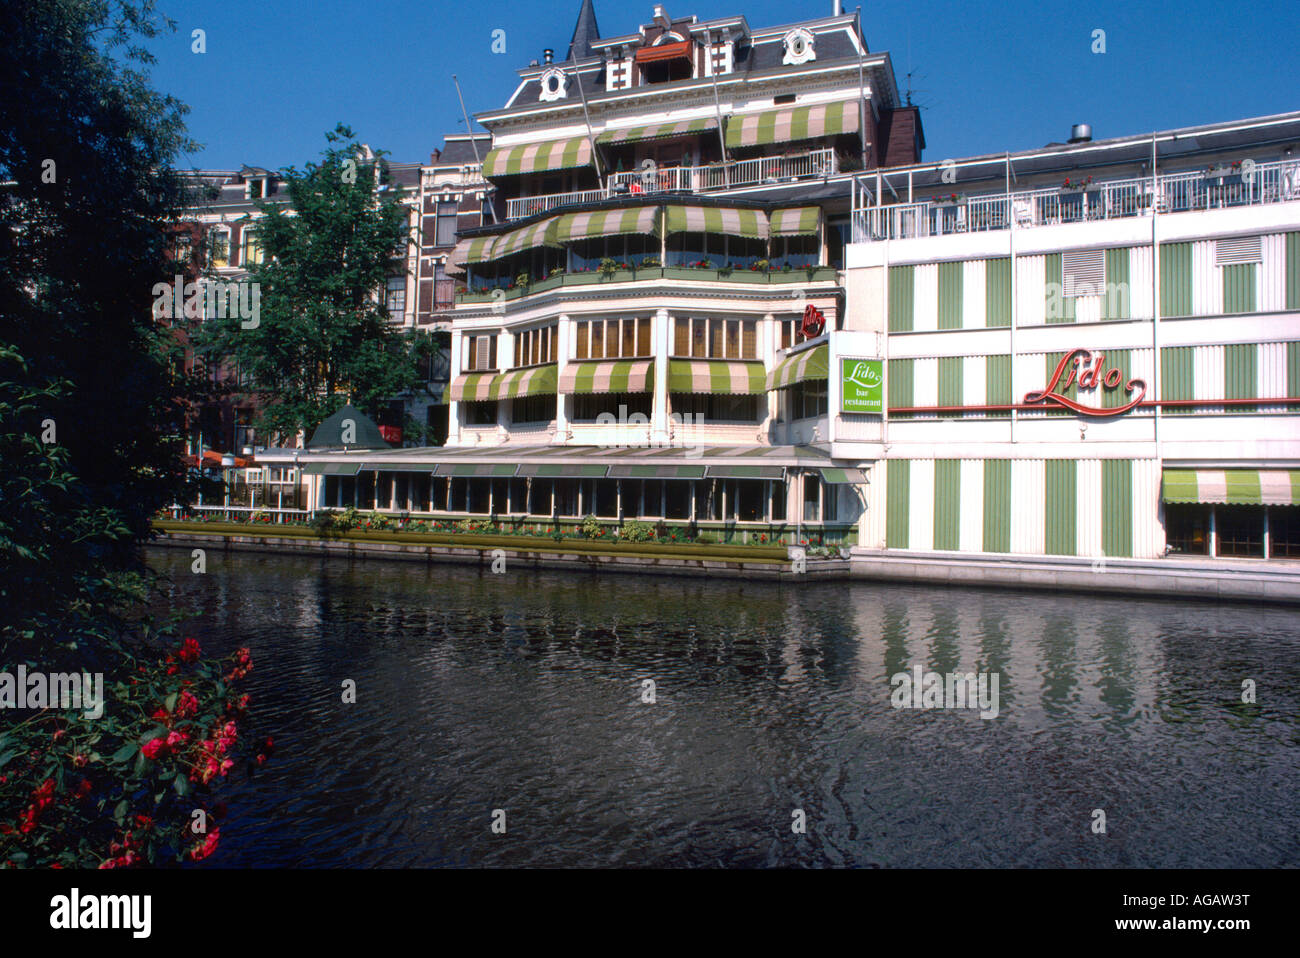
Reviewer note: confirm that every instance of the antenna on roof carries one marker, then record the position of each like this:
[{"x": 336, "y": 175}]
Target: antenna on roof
[{"x": 473, "y": 141}]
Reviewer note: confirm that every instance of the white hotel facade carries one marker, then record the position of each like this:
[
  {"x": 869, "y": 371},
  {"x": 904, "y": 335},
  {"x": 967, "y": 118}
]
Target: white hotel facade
[{"x": 670, "y": 203}]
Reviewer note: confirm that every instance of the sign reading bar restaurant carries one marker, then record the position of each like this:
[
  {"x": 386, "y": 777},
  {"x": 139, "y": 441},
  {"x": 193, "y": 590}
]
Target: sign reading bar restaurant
[{"x": 862, "y": 385}]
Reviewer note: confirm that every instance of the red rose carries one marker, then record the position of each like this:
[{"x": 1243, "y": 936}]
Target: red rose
[{"x": 154, "y": 748}]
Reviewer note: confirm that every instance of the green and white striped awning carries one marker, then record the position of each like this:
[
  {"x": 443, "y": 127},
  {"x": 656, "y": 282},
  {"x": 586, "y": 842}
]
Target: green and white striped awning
[
  {"x": 399, "y": 467},
  {"x": 475, "y": 250},
  {"x": 657, "y": 131},
  {"x": 746, "y": 472},
  {"x": 1233, "y": 487},
  {"x": 793, "y": 123},
  {"x": 797, "y": 221},
  {"x": 538, "y": 157},
  {"x": 655, "y": 472},
  {"x": 563, "y": 470},
  {"x": 700, "y": 219},
  {"x": 609, "y": 376},
  {"x": 576, "y": 226},
  {"x": 515, "y": 384},
  {"x": 839, "y": 476},
  {"x": 331, "y": 468},
  {"x": 716, "y": 376},
  {"x": 541, "y": 233},
  {"x": 495, "y": 470},
  {"x": 809, "y": 364}
]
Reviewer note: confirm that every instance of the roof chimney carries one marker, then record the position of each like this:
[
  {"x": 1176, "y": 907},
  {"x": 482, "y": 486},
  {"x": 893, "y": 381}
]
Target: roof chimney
[
  {"x": 838, "y": 8},
  {"x": 1080, "y": 133},
  {"x": 548, "y": 55}
]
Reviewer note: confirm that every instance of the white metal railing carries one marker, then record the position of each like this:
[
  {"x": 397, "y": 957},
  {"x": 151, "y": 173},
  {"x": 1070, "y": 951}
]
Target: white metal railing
[
  {"x": 723, "y": 176},
  {"x": 277, "y": 515},
  {"x": 1221, "y": 188},
  {"x": 526, "y": 206}
]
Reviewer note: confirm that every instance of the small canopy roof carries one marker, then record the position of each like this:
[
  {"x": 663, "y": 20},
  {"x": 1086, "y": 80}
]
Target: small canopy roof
[{"x": 360, "y": 430}]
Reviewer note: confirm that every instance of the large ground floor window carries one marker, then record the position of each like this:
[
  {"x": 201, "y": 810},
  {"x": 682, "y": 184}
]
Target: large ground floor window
[
  {"x": 1233, "y": 531},
  {"x": 673, "y": 500},
  {"x": 715, "y": 407}
]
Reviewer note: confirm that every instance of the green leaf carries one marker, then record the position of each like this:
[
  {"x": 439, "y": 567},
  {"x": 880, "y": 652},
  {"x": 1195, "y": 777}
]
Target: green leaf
[
  {"x": 169, "y": 703},
  {"x": 124, "y": 753},
  {"x": 182, "y": 785},
  {"x": 119, "y": 813},
  {"x": 5, "y": 757}
]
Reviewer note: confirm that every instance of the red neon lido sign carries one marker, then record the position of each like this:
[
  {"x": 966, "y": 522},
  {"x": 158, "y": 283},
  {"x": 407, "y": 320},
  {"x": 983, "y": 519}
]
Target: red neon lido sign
[
  {"x": 1074, "y": 365},
  {"x": 814, "y": 321}
]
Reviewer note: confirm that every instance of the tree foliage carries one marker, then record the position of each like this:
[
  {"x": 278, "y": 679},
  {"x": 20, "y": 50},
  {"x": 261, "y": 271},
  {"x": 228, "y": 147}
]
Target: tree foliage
[{"x": 323, "y": 335}]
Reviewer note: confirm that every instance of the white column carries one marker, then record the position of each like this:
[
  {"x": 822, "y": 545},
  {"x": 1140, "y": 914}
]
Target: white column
[
  {"x": 505, "y": 360},
  {"x": 659, "y": 411},
  {"x": 563, "y": 336},
  {"x": 454, "y": 369}
]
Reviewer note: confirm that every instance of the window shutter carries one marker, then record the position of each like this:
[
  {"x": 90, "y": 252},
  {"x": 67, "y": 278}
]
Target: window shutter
[
  {"x": 1240, "y": 249},
  {"x": 1083, "y": 273},
  {"x": 481, "y": 353}
]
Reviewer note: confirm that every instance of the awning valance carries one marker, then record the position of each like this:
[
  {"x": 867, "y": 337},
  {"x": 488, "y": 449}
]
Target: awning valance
[
  {"x": 716, "y": 376},
  {"x": 656, "y": 472},
  {"x": 541, "y": 233},
  {"x": 496, "y": 470},
  {"x": 809, "y": 364},
  {"x": 664, "y": 51},
  {"x": 746, "y": 472},
  {"x": 793, "y": 123},
  {"x": 798, "y": 221},
  {"x": 701, "y": 219},
  {"x": 1233, "y": 487},
  {"x": 576, "y": 226},
  {"x": 609, "y": 376},
  {"x": 538, "y": 157},
  {"x": 563, "y": 470},
  {"x": 658, "y": 131},
  {"x": 475, "y": 250},
  {"x": 839, "y": 476},
  {"x": 331, "y": 468},
  {"x": 515, "y": 384}
]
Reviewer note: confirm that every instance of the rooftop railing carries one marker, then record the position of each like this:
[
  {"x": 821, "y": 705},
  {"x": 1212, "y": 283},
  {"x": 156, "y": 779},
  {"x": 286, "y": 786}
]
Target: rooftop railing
[{"x": 1220, "y": 187}]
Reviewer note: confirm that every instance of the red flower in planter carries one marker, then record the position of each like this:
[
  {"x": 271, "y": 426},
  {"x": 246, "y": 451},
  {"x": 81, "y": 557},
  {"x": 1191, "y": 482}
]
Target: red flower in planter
[
  {"x": 190, "y": 650},
  {"x": 155, "y": 748}
]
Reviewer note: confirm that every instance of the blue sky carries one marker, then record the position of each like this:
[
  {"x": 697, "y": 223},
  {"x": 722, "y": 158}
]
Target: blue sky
[{"x": 991, "y": 76}]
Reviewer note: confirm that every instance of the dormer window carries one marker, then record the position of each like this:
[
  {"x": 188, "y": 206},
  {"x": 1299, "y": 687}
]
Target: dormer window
[
  {"x": 553, "y": 85},
  {"x": 670, "y": 58},
  {"x": 798, "y": 47},
  {"x": 255, "y": 188}
]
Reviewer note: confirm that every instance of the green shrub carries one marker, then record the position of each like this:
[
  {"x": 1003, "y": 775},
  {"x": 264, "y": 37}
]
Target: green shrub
[
  {"x": 591, "y": 527},
  {"x": 634, "y": 530}
]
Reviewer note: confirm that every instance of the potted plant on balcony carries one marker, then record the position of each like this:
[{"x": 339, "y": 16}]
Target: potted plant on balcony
[
  {"x": 522, "y": 280},
  {"x": 949, "y": 200},
  {"x": 649, "y": 262},
  {"x": 608, "y": 267},
  {"x": 1076, "y": 185}
]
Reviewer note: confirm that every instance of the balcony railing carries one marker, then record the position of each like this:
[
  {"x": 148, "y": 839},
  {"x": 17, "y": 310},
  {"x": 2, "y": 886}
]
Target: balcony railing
[
  {"x": 526, "y": 206},
  {"x": 795, "y": 276},
  {"x": 1221, "y": 188},
  {"x": 687, "y": 179}
]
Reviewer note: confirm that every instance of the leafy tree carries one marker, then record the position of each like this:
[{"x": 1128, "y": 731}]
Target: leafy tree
[{"x": 322, "y": 334}]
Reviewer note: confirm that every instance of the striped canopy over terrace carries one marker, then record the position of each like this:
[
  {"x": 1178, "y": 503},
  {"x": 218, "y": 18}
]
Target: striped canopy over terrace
[
  {"x": 702, "y": 219},
  {"x": 576, "y": 226},
  {"x": 1233, "y": 487},
  {"x": 541, "y": 233},
  {"x": 475, "y": 250},
  {"x": 716, "y": 376},
  {"x": 657, "y": 131},
  {"x": 798, "y": 221},
  {"x": 793, "y": 123},
  {"x": 515, "y": 384},
  {"x": 538, "y": 157},
  {"x": 808, "y": 364},
  {"x": 610, "y": 376}
]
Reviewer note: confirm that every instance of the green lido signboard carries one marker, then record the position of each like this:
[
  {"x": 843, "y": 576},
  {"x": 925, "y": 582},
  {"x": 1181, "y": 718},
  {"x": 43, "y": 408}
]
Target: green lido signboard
[{"x": 862, "y": 384}]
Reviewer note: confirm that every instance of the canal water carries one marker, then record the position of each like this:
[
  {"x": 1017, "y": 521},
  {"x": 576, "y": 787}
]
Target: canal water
[{"x": 526, "y": 692}]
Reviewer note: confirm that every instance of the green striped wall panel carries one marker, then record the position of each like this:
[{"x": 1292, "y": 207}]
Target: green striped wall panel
[
  {"x": 902, "y": 298},
  {"x": 1176, "y": 279},
  {"x": 950, "y": 384},
  {"x": 898, "y": 490},
  {"x": 1239, "y": 288},
  {"x": 1061, "y": 502},
  {"x": 1240, "y": 364},
  {"x": 947, "y": 503},
  {"x": 1117, "y": 507},
  {"x": 1293, "y": 271},
  {"x": 997, "y": 383},
  {"x": 1177, "y": 379},
  {"x": 1121, "y": 359},
  {"x": 997, "y": 292},
  {"x": 950, "y": 290},
  {"x": 1059, "y": 308},
  {"x": 997, "y": 505},
  {"x": 1115, "y": 304},
  {"x": 1070, "y": 392},
  {"x": 901, "y": 377}
]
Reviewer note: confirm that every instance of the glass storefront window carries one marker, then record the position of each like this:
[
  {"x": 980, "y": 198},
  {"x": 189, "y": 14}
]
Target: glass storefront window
[
  {"x": 1240, "y": 530},
  {"x": 1187, "y": 529},
  {"x": 1284, "y": 532}
]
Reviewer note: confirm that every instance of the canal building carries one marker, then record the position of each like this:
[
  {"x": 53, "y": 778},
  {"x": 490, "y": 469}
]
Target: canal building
[
  {"x": 646, "y": 329},
  {"x": 1091, "y": 349}
]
